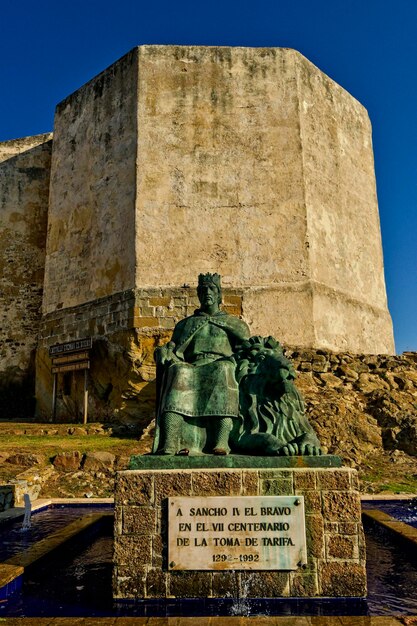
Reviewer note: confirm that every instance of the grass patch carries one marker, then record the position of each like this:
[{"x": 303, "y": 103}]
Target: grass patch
[
  {"x": 70, "y": 442},
  {"x": 399, "y": 487},
  {"x": 384, "y": 473},
  {"x": 51, "y": 445}
]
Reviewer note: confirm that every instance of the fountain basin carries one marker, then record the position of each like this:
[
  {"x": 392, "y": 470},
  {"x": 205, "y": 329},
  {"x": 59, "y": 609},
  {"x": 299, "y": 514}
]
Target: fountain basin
[
  {"x": 25, "y": 548},
  {"x": 78, "y": 583}
]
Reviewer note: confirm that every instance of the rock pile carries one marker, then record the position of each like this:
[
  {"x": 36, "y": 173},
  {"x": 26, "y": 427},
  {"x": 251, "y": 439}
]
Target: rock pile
[{"x": 359, "y": 404}]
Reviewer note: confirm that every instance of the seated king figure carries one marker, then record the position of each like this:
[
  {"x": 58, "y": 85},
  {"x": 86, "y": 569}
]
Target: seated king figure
[{"x": 197, "y": 391}]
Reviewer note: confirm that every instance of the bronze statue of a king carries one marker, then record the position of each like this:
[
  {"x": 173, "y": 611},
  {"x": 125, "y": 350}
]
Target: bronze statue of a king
[{"x": 220, "y": 390}]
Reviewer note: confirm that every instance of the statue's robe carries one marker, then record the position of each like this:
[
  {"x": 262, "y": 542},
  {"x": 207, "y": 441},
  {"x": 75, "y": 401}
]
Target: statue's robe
[{"x": 202, "y": 382}]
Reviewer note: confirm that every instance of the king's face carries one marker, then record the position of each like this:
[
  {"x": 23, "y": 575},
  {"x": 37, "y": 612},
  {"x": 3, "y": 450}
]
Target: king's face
[{"x": 208, "y": 294}]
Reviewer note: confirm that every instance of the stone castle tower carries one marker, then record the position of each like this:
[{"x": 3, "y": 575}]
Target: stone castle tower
[{"x": 177, "y": 160}]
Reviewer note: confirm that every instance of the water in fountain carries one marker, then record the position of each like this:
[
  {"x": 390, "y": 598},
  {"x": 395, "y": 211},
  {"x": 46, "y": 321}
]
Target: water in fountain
[
  {"x": 402, "y": 510},
  {"x": 241, "y": 603},
  {"x": 28, "y": 512},
  {"x": 410, "y": 513}
]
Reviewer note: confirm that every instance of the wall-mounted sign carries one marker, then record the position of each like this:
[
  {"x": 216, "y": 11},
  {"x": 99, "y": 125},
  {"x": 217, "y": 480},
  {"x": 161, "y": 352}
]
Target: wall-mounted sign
[
  {"x": 71, "y": 356},
  {"x": 71, "y": 346},
  {"x": 71, "y": 367}
]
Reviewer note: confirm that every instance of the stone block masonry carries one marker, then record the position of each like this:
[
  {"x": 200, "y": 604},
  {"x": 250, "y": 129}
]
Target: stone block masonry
[{"x": 335, "y": 541}]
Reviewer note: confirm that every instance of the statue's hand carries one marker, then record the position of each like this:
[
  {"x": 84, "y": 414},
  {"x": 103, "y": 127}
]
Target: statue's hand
[{"x": 164, "y": 355}]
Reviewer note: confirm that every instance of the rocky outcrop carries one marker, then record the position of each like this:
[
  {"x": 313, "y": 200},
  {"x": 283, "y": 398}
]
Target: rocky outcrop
[
  {"x": 29, "y": 482},
  {"x": 359, "y": 404},
  {"x": 121, "y": 380},
  {"x": 6, "y": 497},
  {"x": 101, "y": 460},
  {"x": 68, "y": 460}
]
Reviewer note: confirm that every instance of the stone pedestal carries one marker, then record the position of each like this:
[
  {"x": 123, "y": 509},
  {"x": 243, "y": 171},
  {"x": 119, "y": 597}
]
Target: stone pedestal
[{"x": 335, "y": 540}]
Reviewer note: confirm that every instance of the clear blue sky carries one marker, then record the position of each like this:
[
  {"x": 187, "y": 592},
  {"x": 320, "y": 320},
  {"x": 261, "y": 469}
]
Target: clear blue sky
[{"x": 49, "y": 48}]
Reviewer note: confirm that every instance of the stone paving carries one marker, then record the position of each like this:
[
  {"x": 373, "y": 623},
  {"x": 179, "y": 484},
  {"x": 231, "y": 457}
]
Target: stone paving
[{"x": 214, "y": 621}]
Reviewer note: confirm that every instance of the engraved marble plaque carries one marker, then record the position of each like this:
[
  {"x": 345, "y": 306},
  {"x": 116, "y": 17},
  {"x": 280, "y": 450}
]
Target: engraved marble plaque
[{"x": 237, "y": 533}]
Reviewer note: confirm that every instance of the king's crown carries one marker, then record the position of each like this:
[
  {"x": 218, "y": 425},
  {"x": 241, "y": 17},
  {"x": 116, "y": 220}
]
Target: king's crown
[{"x": 210, "y": 279}]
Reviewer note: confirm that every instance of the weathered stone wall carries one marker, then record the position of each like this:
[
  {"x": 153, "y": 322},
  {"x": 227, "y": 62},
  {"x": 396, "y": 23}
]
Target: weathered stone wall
[
  {"x": 255, "y": 163},
  {"x": 350, "y": 305},
  {"x": 91, "y": 226},
  {"x": 228, "y": 192},
  {"x": 246, "y": 161},
  {"x": 24, "y": 185},
  {"x": 335, "y": 541},
  {"x": 220, "y": 178}
]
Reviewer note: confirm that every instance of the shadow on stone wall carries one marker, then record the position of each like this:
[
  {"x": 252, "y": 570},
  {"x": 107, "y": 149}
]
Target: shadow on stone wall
[
  {"x": 17, "y": 393},
  {"x": 24, "y": 185}
]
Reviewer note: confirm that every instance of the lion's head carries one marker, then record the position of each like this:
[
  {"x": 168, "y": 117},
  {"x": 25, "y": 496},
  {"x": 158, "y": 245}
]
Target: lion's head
[{"x": 263, "y": 356}]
